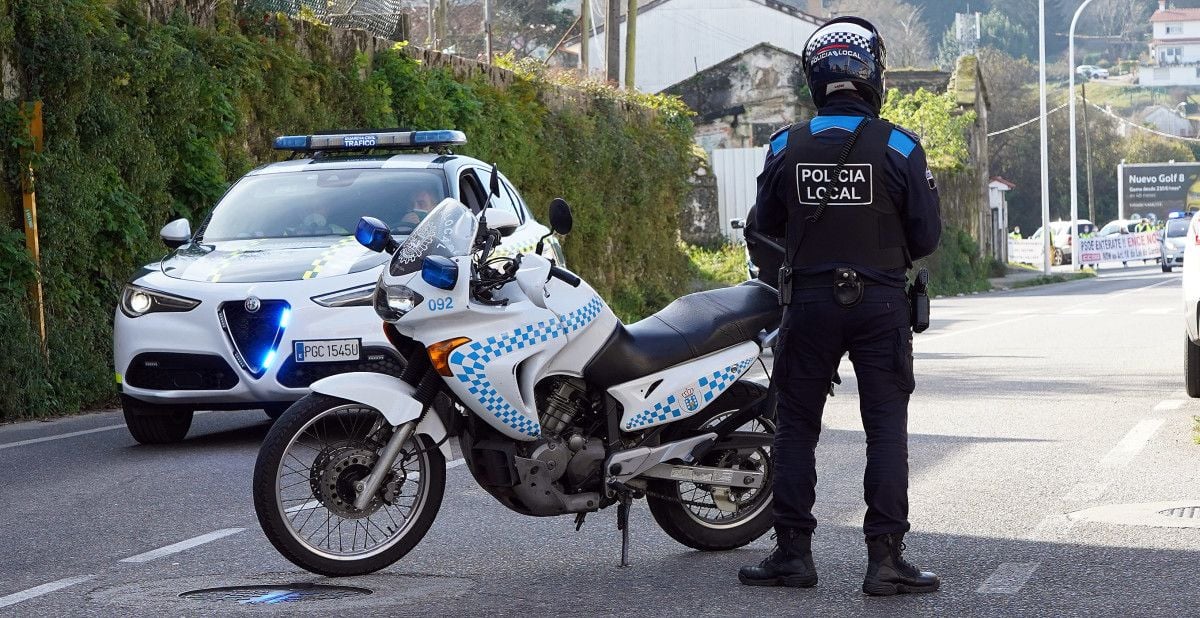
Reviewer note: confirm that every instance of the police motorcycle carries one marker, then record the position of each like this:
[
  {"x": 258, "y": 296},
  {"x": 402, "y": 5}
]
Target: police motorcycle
[{"x": 558, "y": 408}]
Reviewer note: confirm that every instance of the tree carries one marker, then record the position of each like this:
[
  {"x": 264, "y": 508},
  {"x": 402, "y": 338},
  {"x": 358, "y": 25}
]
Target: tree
[
  {"x": 1145, "y": 147},
  {"x": 937, "y": 120}
]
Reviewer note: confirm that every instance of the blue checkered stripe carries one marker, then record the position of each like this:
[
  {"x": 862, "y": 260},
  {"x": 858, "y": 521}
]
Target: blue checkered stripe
[
  {"x": 710, "y": 387},
  {"x": 469, "y": 363}
]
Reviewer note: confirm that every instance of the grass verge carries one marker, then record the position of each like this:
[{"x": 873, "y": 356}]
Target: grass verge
[
  {"x": 1048, "y": 279},
  {"x": 716, "y": 267}
]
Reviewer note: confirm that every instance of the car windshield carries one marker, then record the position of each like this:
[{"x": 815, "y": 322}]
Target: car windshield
[
  {"x": 1177, "y": 227},
  {"x": 323, "y": 203}
]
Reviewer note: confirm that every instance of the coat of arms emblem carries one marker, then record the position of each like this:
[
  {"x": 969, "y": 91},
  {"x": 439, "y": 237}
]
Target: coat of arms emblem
[{"x": 690, "y": 400}]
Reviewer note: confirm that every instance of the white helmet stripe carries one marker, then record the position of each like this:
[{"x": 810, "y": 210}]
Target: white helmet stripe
[{"x": 842, "y": 32}]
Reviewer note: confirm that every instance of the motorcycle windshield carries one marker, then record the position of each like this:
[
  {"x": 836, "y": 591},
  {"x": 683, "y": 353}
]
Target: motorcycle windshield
[{"x": 448, "y": 230}]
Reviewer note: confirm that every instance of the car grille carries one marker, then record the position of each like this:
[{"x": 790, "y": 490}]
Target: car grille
[
  {"x": 255, "y": 335},
  {"x": 172, "y": 371},
  {"x": 374, "y": 359}
]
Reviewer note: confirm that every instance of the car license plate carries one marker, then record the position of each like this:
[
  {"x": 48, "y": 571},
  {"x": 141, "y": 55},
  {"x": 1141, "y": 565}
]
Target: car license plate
[{"x": 328, "y": 350}]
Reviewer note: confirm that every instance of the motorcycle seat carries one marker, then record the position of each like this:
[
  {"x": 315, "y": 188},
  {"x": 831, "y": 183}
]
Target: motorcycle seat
[{"x": 690, "y": 327}]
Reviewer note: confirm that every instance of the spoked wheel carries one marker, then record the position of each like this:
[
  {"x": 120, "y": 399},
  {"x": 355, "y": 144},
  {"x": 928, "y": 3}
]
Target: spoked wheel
[
  {"x": 306, "y": 480},
  {"x": 713, "y": 518}
]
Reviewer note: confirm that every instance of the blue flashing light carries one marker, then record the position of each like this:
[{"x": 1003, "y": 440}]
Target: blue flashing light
[
  {"x": 1178, "y": 214},
  {"x": 372, "y": 234},
  {"x": 367, "y": 141},
  {"x": 284, "y": 318},
  {"x": 432, "y": 138},
  {"x": 439, "y": 271},
  {"x": 291, "y": 142},
  {"x": 267, "y": 358}
]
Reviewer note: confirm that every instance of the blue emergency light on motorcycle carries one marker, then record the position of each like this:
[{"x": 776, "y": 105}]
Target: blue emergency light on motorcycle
[
  {"x": 370, "y": 140},
  {"x": 372, "y": 234},
  {"x": 1178, "y": 214},
  {"x": 439, "y": 271}
]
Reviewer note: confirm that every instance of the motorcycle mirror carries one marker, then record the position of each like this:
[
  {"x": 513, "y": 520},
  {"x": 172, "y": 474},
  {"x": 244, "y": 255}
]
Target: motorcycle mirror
[
  {"x": 374, "y": 235},
  {"x": 495, "y": 184},
  {"x": 176, "y": 233},
  {"x": 561, "y": 220}
]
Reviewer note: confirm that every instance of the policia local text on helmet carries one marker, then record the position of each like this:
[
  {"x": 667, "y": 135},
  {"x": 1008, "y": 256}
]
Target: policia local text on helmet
[{"x": 855, "y": 199}]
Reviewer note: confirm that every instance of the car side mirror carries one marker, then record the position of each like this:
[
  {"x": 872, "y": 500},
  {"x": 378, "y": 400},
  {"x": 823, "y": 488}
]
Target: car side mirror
[
  {"x": 375, "y": 235},
  {"x": 504, "y": 221},
  {"x": 561, "y": 220},
  {"x": 176, "y": 233},
  {"x": 737, "y": 224}
]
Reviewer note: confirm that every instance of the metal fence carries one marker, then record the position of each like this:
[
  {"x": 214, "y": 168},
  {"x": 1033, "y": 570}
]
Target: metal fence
[
  {"x": 737, "y": 172},
  {"x": 384, "y": 18}
]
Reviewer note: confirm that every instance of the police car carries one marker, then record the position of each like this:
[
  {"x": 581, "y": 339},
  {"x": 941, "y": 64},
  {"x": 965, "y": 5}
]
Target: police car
[{"x": 272, "y": 292}]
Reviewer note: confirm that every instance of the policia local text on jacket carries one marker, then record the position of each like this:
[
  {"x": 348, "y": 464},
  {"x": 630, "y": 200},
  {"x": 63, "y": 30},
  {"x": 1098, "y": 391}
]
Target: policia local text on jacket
[{"x": 882, "y": 212}]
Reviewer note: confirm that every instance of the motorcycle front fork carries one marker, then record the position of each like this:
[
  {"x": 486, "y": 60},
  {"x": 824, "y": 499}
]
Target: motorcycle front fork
[{"x": 367, "y": 487}]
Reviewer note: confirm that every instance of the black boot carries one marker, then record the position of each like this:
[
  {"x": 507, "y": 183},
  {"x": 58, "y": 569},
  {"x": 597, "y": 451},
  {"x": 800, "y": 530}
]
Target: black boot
[
  {"x": 791, "y": 563},
  {"x": 889, "y": 573}
]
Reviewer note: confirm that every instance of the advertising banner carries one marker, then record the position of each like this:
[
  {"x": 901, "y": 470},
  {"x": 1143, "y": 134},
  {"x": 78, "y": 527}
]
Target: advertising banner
[
  {"x": 1119, "y": 248},
  {"x": 1159, "y": 188},
  {"x": 1025, "y": 251}
]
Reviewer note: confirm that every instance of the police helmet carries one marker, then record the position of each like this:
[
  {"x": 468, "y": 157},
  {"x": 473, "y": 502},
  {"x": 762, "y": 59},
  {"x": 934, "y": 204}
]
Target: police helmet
[{"x": 847, "y": 53}]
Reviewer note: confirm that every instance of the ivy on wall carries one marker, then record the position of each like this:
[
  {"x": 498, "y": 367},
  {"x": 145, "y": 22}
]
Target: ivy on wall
[{"x": 149, "y": 121}]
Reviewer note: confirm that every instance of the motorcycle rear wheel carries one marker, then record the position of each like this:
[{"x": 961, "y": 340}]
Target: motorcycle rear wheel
[
  {"x": 689, "y": 512},
  {"x": 305, "y": 472}
]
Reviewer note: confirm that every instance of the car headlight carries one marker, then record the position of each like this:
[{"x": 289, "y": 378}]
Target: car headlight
[
  {"x": 138, "y": 301},
  {"x": 392, "y": 302},
  {"x": 353, "y": 297}
]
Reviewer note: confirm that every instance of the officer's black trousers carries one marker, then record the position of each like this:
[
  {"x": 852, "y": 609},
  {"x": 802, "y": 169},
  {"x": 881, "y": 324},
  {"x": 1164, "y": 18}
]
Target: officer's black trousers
[{"x": 816, "y": 332}]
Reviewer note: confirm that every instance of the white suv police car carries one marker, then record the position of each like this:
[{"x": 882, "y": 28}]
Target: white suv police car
[{"x": 272, "y": 292}]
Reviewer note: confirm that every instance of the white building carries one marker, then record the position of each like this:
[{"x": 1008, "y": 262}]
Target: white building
[
  {"x": 1174, "y": 48},
  {"x": 679, "y": 38}
]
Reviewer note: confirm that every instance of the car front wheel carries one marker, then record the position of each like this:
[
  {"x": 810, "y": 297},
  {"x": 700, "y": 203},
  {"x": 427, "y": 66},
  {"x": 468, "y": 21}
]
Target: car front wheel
[
  {"x": 156, "y": 424},
  {"x": 1191, "y": 368}
]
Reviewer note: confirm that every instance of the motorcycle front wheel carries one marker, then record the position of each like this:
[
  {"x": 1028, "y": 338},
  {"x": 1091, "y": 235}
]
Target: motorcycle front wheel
[
  {"x": 713, "y": 518},
  {"x": 304, "y": 488}
]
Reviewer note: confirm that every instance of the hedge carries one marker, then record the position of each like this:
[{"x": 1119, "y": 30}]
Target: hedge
[{"x": 149, "y": 121}]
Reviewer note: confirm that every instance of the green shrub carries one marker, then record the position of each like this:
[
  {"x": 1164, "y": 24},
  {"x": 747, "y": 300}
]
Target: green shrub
[
  {"x": 146, "y": 122},
  {"x": 956, "y": 267},
  {"x": 719, "y": 267}
]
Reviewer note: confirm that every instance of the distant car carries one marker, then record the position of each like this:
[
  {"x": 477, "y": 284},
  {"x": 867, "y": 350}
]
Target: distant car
[
  {"x": 1191, "y": 298},
  {"x": 1173, "y": 240},
  {"x": 1117, "y": 226},
  {"x": 1091, "y": 72},
  {"x": 1063, "y": 240}
]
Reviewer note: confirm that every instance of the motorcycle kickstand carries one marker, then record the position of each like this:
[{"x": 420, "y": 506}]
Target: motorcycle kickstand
[{"x": 625, "y": 500}]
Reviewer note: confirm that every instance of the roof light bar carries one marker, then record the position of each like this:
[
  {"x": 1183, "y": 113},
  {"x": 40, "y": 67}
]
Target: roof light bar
[{"x": 366, "y": 141}]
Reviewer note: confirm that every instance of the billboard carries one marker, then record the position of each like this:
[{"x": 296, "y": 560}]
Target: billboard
[{"x": 1158, "y": 188}]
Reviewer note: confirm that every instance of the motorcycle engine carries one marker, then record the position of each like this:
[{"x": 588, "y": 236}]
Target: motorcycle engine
[{"x": 563, "y": 400}]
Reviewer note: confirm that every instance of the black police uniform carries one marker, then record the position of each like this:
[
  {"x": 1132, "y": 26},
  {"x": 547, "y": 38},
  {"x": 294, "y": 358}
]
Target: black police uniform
[{"x": 882, "y": 213}]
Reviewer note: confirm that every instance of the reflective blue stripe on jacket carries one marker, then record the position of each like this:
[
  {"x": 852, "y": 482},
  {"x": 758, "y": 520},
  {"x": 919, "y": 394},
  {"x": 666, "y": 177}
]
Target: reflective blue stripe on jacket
[{"x": 907, "y": 178}]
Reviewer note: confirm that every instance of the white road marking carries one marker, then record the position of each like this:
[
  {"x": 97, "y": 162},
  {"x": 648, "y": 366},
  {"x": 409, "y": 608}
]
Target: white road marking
[
  {"x": 175, "y": 548},
  {"x": 456, "y": 463},
  {"x": 60, "y": 436},
  {"x": 1154, "y": 311},
  {"x": 1168, "y": 404},
  {"x": 1008, "y": 578},
  {"x": 311, "y": 504},
  {"x": 1082, "y": 312},
  {"x": 1084, "y": 492},
  {"x": 74, "y": 434},
  {"x": 1025, "y": 311},
  {"x": 38, "y": 591},
  {"x": 1049, "y": 525},
  {"x": 1131, "y": 444}
]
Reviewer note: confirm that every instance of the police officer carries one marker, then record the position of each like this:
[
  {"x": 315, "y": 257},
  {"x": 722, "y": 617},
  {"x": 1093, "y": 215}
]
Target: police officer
[{"x": 854, "y": 198}]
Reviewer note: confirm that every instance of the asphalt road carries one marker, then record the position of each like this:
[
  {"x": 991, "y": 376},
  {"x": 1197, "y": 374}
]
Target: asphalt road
[{"x": 1033, "y": 406}]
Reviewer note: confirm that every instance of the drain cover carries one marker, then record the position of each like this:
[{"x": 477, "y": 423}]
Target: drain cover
[
  {"x": 1192, "y": 512},
  {"x": 272, "y": 595}
]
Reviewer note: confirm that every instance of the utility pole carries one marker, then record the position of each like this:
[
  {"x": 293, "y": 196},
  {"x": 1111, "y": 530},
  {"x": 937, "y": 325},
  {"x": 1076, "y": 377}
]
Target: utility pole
[
  {"x": 585, "y": 34},
  {"x": 487, "y": 28},
  {"x": 630, "y": 42},
  {"x": 612, "y": 46},
  {"x": 443, "y": 29},
  {"x": 1045, "y": 140},
  {"x": 432, "y": 42},
  {"x": 1087, "y": 155}
]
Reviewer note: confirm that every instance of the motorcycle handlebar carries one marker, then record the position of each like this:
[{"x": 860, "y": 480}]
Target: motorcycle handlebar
[{"x": 565, "y": 276}]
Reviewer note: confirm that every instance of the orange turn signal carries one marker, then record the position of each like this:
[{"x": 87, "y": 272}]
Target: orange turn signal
[{"x": 439, "y": 354}]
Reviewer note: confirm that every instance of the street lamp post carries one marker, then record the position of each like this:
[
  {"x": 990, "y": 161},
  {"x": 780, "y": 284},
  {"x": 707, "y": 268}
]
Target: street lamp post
[
  {"x": 1075, "y": 261},
  {"x": 1045, "y": 140}
]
